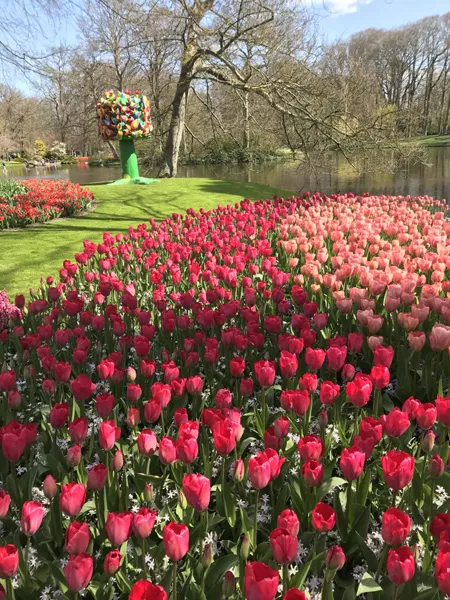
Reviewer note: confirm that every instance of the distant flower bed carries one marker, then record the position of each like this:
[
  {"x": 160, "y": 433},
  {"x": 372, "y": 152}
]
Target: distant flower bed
[{"x": 42, "y": 200}]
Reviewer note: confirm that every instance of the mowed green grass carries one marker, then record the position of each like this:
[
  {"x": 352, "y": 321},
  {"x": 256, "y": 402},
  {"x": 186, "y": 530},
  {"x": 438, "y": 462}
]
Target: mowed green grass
[{"x": 27, "y": 254}]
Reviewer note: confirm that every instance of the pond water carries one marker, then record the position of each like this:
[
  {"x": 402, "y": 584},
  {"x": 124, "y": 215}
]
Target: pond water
[{"x": 432, "y": 179}]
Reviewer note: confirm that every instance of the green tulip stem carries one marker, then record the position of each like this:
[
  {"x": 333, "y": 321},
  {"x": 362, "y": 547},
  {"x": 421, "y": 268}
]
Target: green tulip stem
[
  {"x": 144, "y": 566},
  {"x": 162, "y": 422},
  {"x": 285, "y": 579},
  {"x": 174, "y": 581},
  {"x": 347, "y": 506},
  {"x": 255, "y": 522},
  {"x": 9, "y": 589}
]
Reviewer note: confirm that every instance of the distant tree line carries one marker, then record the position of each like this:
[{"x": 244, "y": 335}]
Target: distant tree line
[{"x": 234, "y": 80}]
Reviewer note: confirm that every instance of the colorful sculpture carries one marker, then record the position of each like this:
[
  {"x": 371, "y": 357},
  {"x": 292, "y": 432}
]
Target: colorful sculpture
[{"x": 125, "y": 116}]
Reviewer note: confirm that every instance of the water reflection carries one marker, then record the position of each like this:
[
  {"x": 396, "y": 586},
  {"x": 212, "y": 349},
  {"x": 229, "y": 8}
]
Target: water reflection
[{"x": 432, "y": 179}]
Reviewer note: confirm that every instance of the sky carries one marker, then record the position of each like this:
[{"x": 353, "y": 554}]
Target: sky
[{"x": 342, "y": 18}]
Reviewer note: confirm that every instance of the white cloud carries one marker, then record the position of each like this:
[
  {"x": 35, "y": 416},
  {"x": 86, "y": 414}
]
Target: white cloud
[{"x": 340, "y": 7}]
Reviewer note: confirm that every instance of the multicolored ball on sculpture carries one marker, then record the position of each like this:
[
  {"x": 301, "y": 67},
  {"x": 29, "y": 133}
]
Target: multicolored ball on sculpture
[{"x": 123, "y": 115}]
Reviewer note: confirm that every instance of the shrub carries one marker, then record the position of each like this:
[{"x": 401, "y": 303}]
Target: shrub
[{"x": 240, "y": 401}]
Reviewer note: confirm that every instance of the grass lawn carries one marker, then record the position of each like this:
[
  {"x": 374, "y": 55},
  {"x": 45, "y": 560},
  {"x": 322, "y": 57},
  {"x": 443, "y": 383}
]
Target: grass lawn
[{"x": 27, "y": 254}]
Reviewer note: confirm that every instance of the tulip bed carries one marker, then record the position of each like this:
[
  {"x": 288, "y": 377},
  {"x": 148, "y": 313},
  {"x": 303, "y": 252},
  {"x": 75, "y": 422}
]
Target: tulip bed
[
  {"x": 250, "y": 402},
  {"x": 42, "y": 201}
]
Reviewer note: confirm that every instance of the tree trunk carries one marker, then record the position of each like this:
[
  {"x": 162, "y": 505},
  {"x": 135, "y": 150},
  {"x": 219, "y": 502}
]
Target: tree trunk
[
  {"x": 246, "y": 122},
  {"x": 113, "y": 150},
  {"x": 172, "y": 148}
]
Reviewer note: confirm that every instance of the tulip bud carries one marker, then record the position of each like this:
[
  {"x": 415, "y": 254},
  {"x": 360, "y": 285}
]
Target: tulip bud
[
  {"x": 427, "y": 443},
  {"x": 335, "y": 558},
  {"x": 182, "y": 500},
  {"x": 49, "y": 487},
  {"x": 245, "y": 548},
  {"x": 435, "y": 466},
  {"x": 229, "y": 585},
  {"x": 206, "y": 557},
  {"x": 238, "y": 470},
  {"x": 148, "y": 493},
  {"x": 131, "y": 374},
  {"x": 117, "y": 462},
  {"x": 323, "y": 419},
  {"x": 73, "y": 456}
]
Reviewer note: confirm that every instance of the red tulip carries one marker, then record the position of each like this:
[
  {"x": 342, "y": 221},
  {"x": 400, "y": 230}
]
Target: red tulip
[
  {"x": 78, "y": 430},
  {"x": 311, "y": 447},
  {"x": 82, "y": 388},
  {"x": 443, "y": 410},
  {"x": 9, "y": 561},
  {"x": 288, "y": 364},
  {"x": 145, "y": 590},
  {"x": 295, "y": 594},
  {"x": 400, "y": 565},
  {"x": 383, "y": 356},
  {"x": 7, "y": 380},
  {"x": 289, "y": 520},
  {"x": 398, "y": 469},
  {"x": 134, "y": 392},
  {"x": 31, "y": 518},
  {"x": 336, "y": 356},
  {"x": 108, "y": 434},
  {"x": 359, "y": 390},
  {"x": 197, "y": 489},
  {"x": 167, "y": 450},
  {"x": 111, "y": 563},
  {"x": 74, "y": 455},
  {"x": 237, "y": 366},
  {"x": 436, "y": 466},
  {"x": 284, "y": 546},
  {"x": 147, "y": 442},
  {"x": 176, "y": 540},
  {"x": 260, "y": 582},
  {"x": 224, "y": 438},
  {"x": 49, "y": 487},
  {"x": 442, "y": 571},
  {"x": 77, "y": 538},
  {"x": 396, "y": 423},
  {"x": 314, "y": 359},
  {"x": 62, "y": 371},
  {"x": 5, "y": 501},
  {"x": 329, "y": 392},
  {"x": 72, "y": 499},
  {"x": 259, "y": 471},
  {"x": 426, "y": 415},
  {"x": 380, "y": 376},
  {"x": 312, "y": 473},
  {"x": 439, "y": 524},
  {"x": 264, "y": 372},
  {"x": 323, "y": 517},
  {"x": 335, "y": 558},
  {"x": 104, "y": 403},
  {"x": 395, "y": 526},
  {"x": 352, "y": 462},
  {"x": 143, "y": 522},
  {"x": 187, "y": 448},
  {"x": 97, "y": 477},
  {"x": 59, "y": 415},
  {"x": 78, "y": 572},
  {"x": 118, "y": 527}
]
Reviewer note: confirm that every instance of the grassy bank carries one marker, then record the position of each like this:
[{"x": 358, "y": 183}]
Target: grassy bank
[
  {"x": 26, "y": 254},
  {"x": 431, "y": 140}
]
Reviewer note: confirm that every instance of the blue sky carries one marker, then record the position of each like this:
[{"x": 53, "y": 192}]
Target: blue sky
[{"x": 342, "y": 18}]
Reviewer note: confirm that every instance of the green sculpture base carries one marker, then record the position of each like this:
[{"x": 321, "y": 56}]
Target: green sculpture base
[{"x": 134, "y": 180}]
